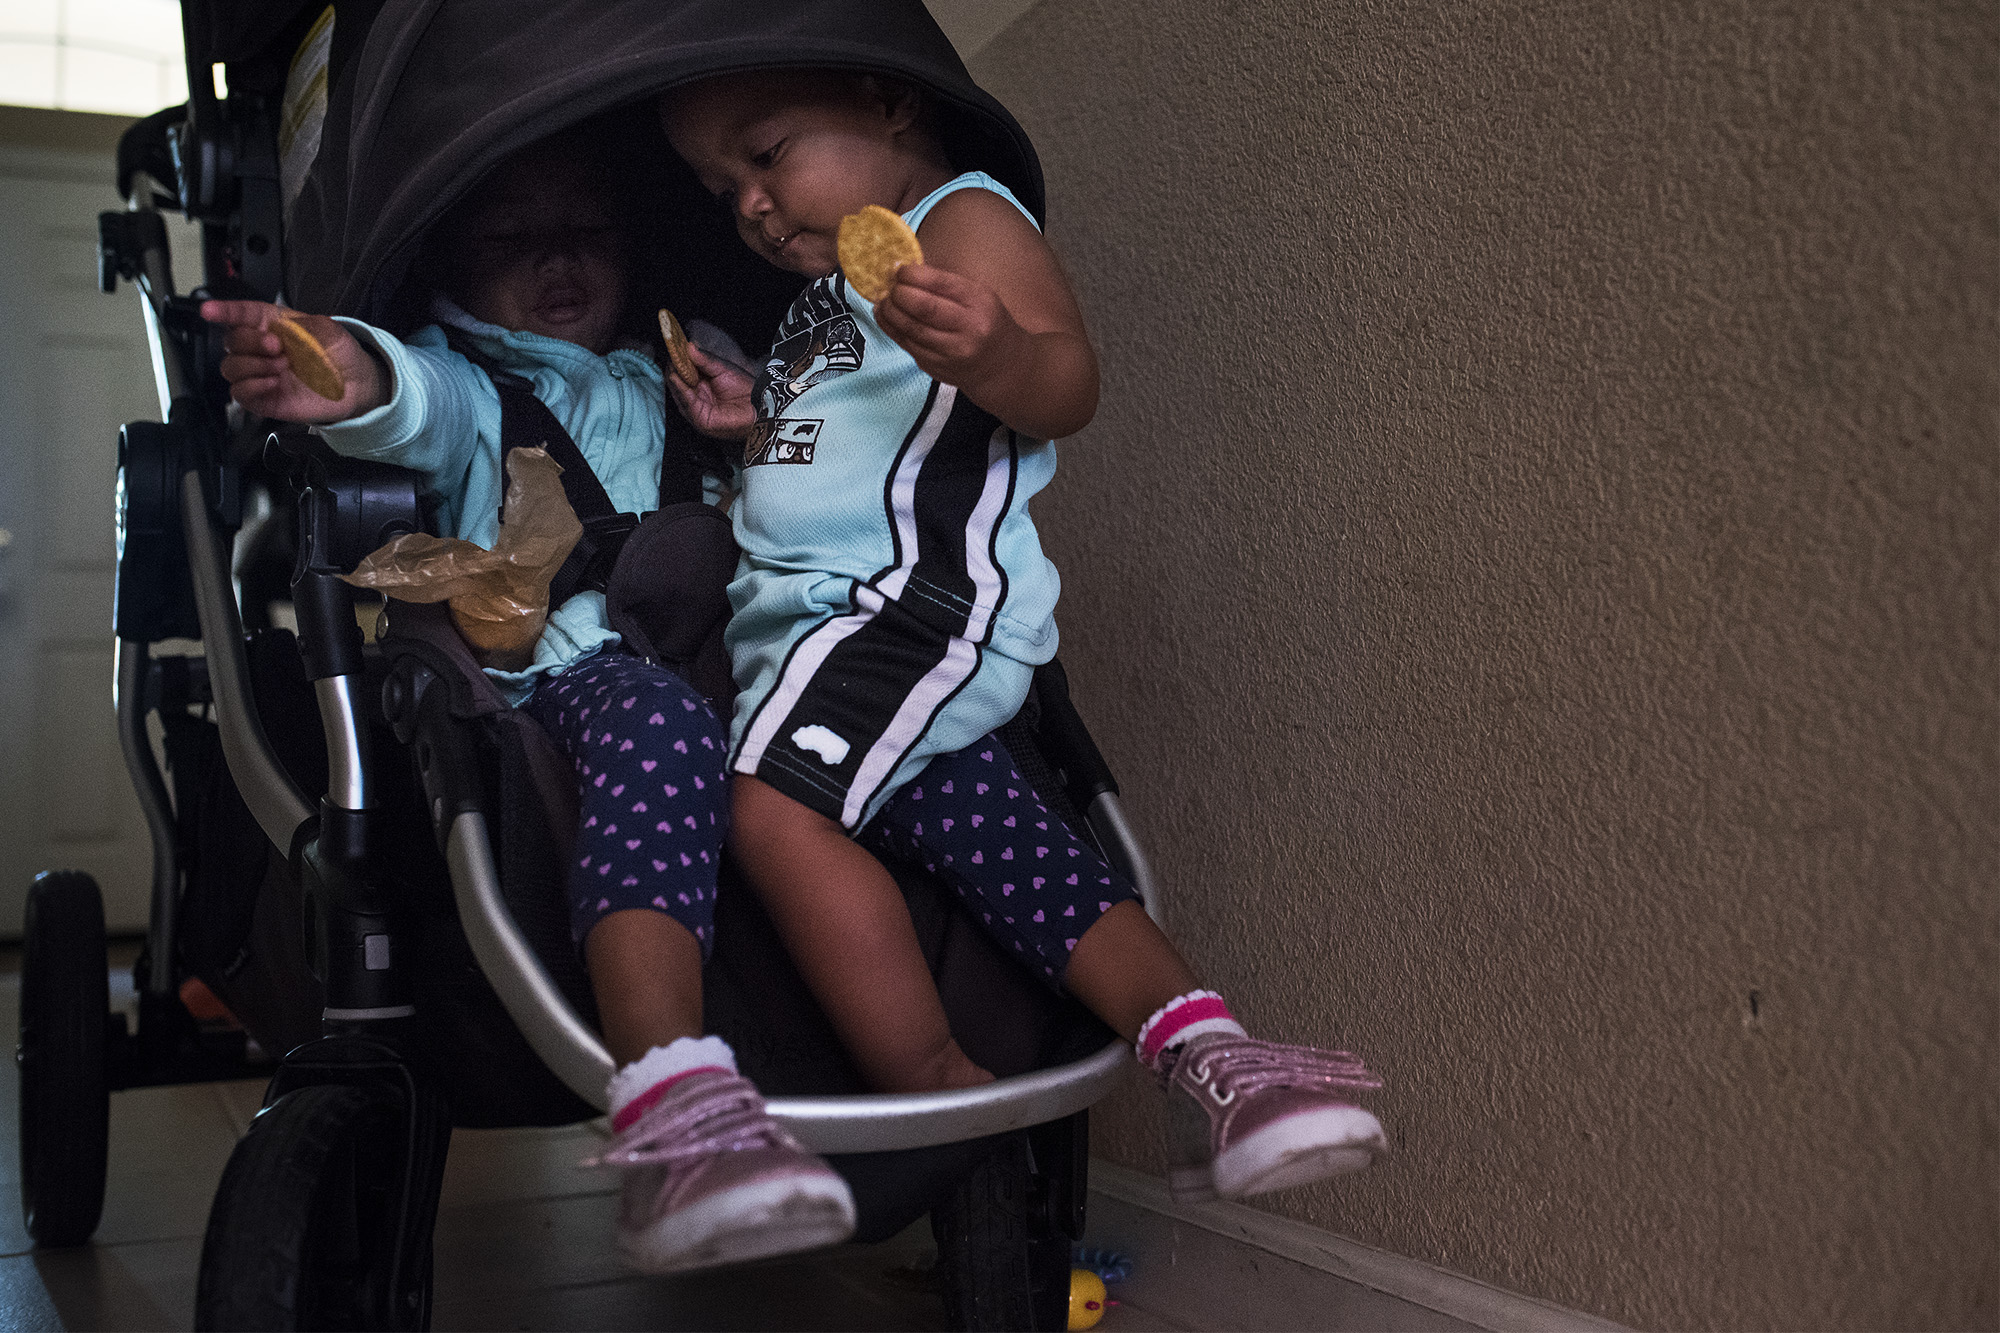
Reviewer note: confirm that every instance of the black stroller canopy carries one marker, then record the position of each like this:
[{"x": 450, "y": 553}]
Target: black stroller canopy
[{"x": 441, "y": 90}]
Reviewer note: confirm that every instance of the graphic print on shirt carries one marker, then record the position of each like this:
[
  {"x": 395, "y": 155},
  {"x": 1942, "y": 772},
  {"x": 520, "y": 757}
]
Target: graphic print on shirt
[{"x": 818, "y": 341}]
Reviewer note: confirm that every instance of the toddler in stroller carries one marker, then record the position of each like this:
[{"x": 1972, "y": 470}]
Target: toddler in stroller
[
  {"x": 530, "y": 273},
  {"x": 892, "y": 602}
]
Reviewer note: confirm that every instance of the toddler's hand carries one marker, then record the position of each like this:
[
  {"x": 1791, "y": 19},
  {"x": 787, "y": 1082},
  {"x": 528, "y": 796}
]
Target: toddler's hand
[
  {"x": 262, "y": 380},
  {"x": 721, "y": 406},
  {"x": 955, "y": 328}
]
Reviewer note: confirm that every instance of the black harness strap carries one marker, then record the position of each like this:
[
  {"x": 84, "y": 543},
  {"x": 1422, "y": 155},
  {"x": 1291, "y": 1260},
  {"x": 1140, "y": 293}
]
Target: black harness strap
[
  {"x": 526, "y": 423},
  {"x": 680, "y": 475}
]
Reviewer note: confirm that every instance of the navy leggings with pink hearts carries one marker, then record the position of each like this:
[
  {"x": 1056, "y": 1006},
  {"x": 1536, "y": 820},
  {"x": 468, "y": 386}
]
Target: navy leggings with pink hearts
[
  {"x": 649, "y": 756},
  {"x": 648, "y": 753},
  {"x": 970, "y": 819}
]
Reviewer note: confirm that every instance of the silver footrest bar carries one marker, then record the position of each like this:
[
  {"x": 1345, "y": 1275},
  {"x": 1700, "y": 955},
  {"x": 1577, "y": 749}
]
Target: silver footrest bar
[
  {"x": 868, "y": 1123},
  {"x": 886, "y": 1121}
]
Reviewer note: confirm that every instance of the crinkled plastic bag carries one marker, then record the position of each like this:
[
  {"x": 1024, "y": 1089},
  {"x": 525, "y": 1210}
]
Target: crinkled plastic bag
[{"x": 499, "y": 599}]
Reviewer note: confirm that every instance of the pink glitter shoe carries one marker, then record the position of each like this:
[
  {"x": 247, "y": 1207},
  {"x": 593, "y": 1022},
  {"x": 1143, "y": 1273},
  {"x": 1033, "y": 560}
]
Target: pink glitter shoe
[
  {"x": 711, "y": 1178},
  {"x": 1258, "y": 1116}
]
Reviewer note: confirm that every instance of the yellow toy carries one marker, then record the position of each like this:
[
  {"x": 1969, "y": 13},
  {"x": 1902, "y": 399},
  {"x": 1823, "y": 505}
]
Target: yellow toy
[{"x": 1086, "y": 1298}]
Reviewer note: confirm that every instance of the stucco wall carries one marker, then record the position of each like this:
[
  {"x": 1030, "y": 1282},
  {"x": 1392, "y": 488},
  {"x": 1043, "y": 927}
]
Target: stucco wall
[{"x": 1534, "y": 567}]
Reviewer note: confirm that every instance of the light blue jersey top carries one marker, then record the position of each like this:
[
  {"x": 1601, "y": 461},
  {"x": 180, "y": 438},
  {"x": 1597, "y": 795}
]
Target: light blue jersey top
[{"x": 864, "y": 468}]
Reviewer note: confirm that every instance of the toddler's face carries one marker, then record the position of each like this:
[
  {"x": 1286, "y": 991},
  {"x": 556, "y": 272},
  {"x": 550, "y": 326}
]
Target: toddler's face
[
  {"x": 539, "y": 249},
  {"x": 791, "y": 154}
]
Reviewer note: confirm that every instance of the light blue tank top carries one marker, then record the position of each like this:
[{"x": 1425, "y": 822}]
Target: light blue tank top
[{"x": 863, "y": 466}]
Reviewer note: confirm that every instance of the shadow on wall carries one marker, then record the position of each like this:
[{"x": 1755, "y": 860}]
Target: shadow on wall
[{"x": 1534, "y": 562}]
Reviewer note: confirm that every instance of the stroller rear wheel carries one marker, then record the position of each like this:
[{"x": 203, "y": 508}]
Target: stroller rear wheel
[
  {"x": 1003, "y": 1266},
  {"x": 303, "y": 1234},
  {"x": 65, "y": 1105}
]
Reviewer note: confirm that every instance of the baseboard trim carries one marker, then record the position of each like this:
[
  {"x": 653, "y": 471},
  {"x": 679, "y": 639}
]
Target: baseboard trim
[{"x": 1413, "y": 1289}]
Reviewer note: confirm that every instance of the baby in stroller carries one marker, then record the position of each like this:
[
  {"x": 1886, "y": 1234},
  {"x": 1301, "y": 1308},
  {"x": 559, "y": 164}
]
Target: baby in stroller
[
  {"x": 893, "y": 599},
  {"x": 532, "y": 275}
]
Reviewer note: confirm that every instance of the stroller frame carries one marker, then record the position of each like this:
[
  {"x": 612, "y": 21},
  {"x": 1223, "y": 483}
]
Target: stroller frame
[
  {"x": 328, "y": 632},
  {"x": 180, "y": 504}
]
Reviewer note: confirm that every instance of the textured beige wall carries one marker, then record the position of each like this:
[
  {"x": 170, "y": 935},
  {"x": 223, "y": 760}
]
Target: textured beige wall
[{"x": 1535, "y": 567}]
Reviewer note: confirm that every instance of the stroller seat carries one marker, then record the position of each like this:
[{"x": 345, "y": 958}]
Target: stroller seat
[
  {"x": 511, "y": 906},
  {"x": 362, "y": 851}
]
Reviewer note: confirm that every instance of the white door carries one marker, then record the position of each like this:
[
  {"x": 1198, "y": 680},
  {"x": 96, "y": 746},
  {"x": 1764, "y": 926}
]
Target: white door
[{"x": 73, "y": 368}]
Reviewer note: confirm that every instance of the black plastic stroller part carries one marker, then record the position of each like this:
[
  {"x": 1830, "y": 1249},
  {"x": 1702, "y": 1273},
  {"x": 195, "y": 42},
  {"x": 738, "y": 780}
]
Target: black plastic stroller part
[
  {"x": 154, "y": 598},
  {"x": 301, "y": 1231},
  {"x": 65, "y": 1106},
  {"x": 225, "y": 160},
  {"x": 406, "y": 133},
  {"x": 1004, "y": 1234},
  {"x": 323, "y": 1216},
  {"x": 303, "y": 842}
]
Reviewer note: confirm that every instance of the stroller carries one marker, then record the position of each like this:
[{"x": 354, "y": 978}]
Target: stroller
[{"x": 357, "y": 846}]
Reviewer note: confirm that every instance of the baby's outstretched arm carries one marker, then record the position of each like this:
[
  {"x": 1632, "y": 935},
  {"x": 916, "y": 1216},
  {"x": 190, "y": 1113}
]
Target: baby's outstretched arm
[
  {"x": 991, "y": 312},
  {"x": 721, "y": 406},
  {"x": 262, "y": 380}
]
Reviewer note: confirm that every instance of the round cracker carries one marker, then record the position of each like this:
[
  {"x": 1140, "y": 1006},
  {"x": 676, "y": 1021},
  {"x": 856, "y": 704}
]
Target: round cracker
[
  {"x": 308, "y": 359},
  {"x": 873, "y": 244},
  {"x": 677, "y": 350}
]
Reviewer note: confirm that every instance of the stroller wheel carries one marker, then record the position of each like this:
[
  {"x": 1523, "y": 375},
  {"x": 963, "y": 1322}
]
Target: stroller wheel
[
  {"x": 303, "y": 1234},
  {"x": 1002, "y": 1265},
  {"x": 65, "y": 1105}
]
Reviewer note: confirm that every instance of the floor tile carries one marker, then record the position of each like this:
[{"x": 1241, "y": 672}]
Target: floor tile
[
  {"x": 96, "y": 1287},
  {"x": 495, "y": 1165},
  {"x": 848, "y": 1287},
  {"x": 187, "y": 1126},
  {"x": 25, "y": 1303},
  {"x": 165, "y": 1270},
  {"x": 523, "y": 1241}
]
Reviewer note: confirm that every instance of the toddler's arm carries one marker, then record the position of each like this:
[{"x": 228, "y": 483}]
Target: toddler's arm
[
  {"x": 721, "y": 406},
  {"x": 990, "y": 311},
  {"x": 261, "y": 379}
]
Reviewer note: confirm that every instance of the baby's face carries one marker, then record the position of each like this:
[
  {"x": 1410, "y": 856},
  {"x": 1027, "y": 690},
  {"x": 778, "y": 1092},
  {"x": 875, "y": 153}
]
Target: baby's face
[
  {"x": 539, "y": 250},
  {"x": 791, "y": 154}
]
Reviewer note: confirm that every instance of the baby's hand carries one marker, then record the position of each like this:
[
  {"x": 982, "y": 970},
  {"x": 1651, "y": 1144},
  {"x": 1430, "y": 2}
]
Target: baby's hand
[
  {"x": 956, "y": 328},
  {"x": 262, "y": 379},
  {"x": 721, "y": 406}
]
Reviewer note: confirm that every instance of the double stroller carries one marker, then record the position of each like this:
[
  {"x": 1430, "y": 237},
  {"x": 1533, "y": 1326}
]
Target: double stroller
[{"x": 357, "y": 846}]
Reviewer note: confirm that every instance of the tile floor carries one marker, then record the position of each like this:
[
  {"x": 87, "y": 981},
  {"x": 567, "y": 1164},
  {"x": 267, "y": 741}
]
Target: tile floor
[{"x": 523, "y": 1238}]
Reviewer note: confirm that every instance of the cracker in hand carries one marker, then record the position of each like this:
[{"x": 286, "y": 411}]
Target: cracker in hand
[
  {"x": 873, "y": 244},
  {"x": 309, "y": 360},
  {"x": 677, "y": 350}
]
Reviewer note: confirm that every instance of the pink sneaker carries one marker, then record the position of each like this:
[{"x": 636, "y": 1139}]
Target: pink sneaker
[
  {"x": 1272, "y": 1116},
  {"x": 711, "y": 1178}
]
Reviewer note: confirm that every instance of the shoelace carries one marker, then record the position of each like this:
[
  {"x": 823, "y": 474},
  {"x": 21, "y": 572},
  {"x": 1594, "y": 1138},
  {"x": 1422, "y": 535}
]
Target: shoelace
[
  {"x": 1237, "y": 1065},
  {"x": 719, "y": 1118}
]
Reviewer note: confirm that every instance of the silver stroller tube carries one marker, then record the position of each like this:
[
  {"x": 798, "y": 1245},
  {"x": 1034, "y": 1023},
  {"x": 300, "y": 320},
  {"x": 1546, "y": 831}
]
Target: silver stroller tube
[
  {"x": 133, "y": 659},
  {"x": 274, "y": 800},
  {"x": 868, "y": 1123}
]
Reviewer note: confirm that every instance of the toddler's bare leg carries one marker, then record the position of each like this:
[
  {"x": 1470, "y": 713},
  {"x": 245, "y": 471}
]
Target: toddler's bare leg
[
  {"x": 645, "y": 968},
  {"x": 844, "y": 922},
  {"x": 1125, "y": 968}
]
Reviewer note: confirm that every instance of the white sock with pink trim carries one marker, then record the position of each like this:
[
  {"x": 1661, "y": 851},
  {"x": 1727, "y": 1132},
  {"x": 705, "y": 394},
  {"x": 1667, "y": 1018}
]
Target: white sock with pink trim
[
  {"x": 1184, "y": 1016},
  {"x": 638, "y": 1085}
]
